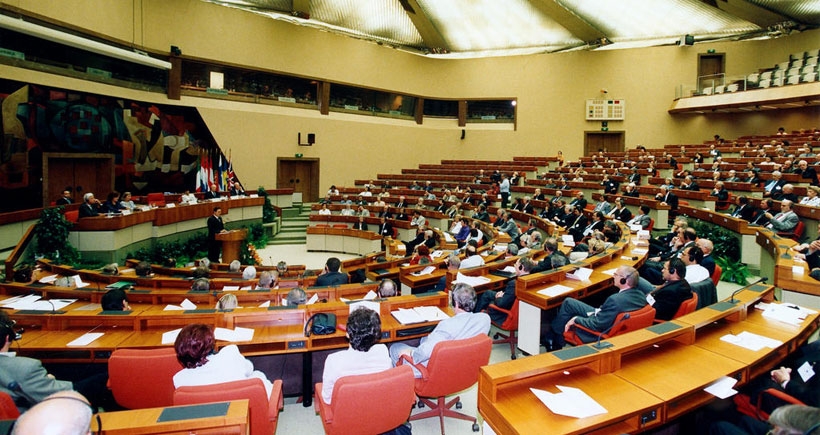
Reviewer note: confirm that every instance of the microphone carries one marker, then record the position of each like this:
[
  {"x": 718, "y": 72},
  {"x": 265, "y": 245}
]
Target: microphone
[
  {"x": 762, "y": 279},
  {"x": 604, "y": 345}
]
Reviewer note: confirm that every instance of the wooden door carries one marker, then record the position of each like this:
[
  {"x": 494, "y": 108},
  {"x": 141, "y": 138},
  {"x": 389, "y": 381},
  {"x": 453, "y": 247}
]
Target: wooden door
[
  {"x": 609, "y": 141},
  {"x": 301, "y": 175},
  {"x": 711, "y": 70},
  {"x": 80, "y": 173}
]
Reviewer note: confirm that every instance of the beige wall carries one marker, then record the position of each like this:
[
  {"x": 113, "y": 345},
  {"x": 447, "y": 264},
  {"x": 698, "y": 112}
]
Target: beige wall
[{"x": 551, "y": 90}]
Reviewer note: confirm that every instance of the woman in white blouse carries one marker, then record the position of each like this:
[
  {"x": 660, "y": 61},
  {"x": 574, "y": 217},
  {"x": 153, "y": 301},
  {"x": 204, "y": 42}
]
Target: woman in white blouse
[{"x": 812, "y": 198}]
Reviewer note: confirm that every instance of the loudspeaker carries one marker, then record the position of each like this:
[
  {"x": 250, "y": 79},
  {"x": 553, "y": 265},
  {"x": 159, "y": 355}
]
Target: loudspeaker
[
  {"x": 687, "y": 40},
  {"x": 311, "y": 138},
  {"x": 463, "y": 133},
  {"x": 176, "y": 51}
]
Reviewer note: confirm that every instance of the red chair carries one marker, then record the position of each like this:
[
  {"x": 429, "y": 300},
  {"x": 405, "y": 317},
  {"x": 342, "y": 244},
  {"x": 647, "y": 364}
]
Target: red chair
[
  {"x": 452, "y": 367},
  {"x": 143, "y": 378},
  {"x": 263, "y": 410},
  {"x": 340, "y": 226},
  {"x": 510, "y": 325},
  {"x": 717, "y": 274},
  {"x": 651, "y": 224},
  {"x": 686, "y": 307},
  {"x": 624, "y": 322},
  {"x": 72, "y": 216},
  {"x": 755, "y": 410},
  {"x": 8, "y": 410},
  {"x": 796, "y": 233},
  {"x": 155, "y": 199},
  {"x": 724, "y": 205},
  {"x": 351, "y": 407}
]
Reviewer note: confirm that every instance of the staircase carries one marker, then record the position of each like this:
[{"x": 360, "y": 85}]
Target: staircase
[{"x": 294, "y": 226}]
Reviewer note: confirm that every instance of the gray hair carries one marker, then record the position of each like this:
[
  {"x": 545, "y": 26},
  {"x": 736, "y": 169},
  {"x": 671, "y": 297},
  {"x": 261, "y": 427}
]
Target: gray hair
[{"x": 296, "y": 297}]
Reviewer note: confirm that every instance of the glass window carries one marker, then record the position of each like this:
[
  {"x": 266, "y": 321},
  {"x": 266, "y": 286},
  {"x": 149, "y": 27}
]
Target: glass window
[
  {"x": 359, "y": 100},
  {"x": 490, "y": 111},
  {"x": 440, "y": 108}
]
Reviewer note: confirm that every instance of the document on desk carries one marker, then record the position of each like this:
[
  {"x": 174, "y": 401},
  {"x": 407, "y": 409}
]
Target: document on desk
[
  {"x": 567, "y": 240},
  {"x": 48, "y": 279},
  {"x": 751, "y": 341},
  {"x": 471, "y": 280},
  {"x": 171, "y": 336},
  {"x": 571, "y": 402},
  {"x": 230, "y": 288},
  {"x": 555, "y": 290},
  {"x": 426, "y": 271},
  {"x": 237, "y": 334},
  {"x": 407, "y": 316},
  {"x": 85, "y": 339},
  {"x": 20, "y": 302},
  {"x": 581, "y": 274},
  {"x": 265, "y": 304},
  {"x": 722, "y": 388},
  {"x": 610, "y": 272},
  {"x": 786, "y": 312},
  {"x": 370, "y": 296},
  {"x": 184, "y": 305}
]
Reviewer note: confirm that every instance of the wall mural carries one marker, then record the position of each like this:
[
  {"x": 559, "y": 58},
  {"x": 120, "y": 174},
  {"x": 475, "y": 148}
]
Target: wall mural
[{"x": 155, "y": 149}]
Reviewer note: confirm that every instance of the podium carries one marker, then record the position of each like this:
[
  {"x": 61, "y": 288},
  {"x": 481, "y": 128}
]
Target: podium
[{"x": 230, "y": 243}]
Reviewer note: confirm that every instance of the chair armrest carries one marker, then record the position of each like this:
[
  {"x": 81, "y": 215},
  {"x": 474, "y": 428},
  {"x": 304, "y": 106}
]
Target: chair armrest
[
  {"x": 782, "y": 395},
  {"x": 409, "y": 359},
  {"x": 499, "y": 309},
  {"x": 276, "y": 401},
  {"x": 323, "y": 409}
]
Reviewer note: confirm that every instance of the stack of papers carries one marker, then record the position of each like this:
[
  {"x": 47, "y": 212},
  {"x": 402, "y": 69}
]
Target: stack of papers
[
  {"x": 185, "y": 305},
  {"x": 581, "y": 274},
  {"x": 555, "y": 290},
  {"x": 571, "y": 402},
  {"x": 426, "y": 271},
  {"x": 406, "y": 316},
  {"x": 567, "y": 240},
  {"x": 786, "y": 312},
  {"x": 751, "y": 341},
  {"x": 474, "y": 281},
  {"x": 33, "y": 302}
]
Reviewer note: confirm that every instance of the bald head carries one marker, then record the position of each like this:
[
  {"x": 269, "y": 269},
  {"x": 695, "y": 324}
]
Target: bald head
[{"x": 62, "y": 413}]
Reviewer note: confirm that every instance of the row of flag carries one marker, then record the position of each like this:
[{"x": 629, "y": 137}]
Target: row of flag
[{"x": 215, "y": 168}]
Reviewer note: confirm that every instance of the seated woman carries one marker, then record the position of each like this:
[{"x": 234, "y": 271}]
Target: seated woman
[
  {"x": 422, "y": 255},
  {"x": 195, "y": 351},
  {"x": 363, "y": 357}
]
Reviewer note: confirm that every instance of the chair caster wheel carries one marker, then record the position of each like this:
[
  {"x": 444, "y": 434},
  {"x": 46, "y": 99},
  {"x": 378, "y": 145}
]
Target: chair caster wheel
[
  {"x": 475, "y": 427},
  {"x": 421, "y": 404},
  {"x": 495, "y": 337},
  {"x": 458, "y": 405},
  {"x": 513, "y": 356}
]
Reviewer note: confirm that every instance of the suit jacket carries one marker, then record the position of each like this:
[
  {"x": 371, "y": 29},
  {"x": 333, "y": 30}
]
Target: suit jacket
[
  {"x": 88, "y": 210},
  {"x": 331, "y": 278},
  {"x": 709, "y": 263},
  {"x": 642, "y": 220},
  {"x": 360, "y": 226},
  {"x": 33, "y": 380},
  {"x": 670, "y": 198},
  {"x": 579, "y": 203},
  {"x": 778, "y": 187},
  {"x": 602, "y": 207},
  {"x": 745, "y": 212},
  {"x": 211, "y": 194},
  {"x": 611, "y": 187},
  {"x": 527, "y": 208},
  {"x": 623, "y": 215},
  {"x": 460, "y": 326},
  {"x": 215, "y": 225},
  {"x": 621, "y": 302},
  {"x": 784, "y": 221},
  {"x": 506, "y": 302},
  {"x": 386, "y": 229},
  {"x": 760, "y": 218},
  {"x": 669, "y": 297}
]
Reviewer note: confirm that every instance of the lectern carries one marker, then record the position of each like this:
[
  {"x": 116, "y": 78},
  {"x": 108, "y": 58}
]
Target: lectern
[{"x": 230, "y": 244}]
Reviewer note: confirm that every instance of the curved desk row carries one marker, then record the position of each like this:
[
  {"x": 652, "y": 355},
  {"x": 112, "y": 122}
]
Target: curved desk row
[
  {"x": 645, "y": 378},
  {"x": 345, "y": 240}
]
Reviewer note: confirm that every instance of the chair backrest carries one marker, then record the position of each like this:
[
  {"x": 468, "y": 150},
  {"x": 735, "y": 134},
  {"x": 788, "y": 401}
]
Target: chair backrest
[
  {"x": 252, "y": 389},
  {"x": 143, "y": 378},
  {"x": 687, "y": 306},
  {"x": 651, "y": 224},
  {"x": 157, "y": 199},
  {"x": 511, "y": 322},
  {"x": 717, "y": 274},
  {"x": 72, "y": 216},
  {"x": 8, "y": 410},
  {"x": 706, "y": 291},
  {"x": 354, "y": 410},
  {"x": 637, "y": 319},
  {"x": 453, "y": 366}
]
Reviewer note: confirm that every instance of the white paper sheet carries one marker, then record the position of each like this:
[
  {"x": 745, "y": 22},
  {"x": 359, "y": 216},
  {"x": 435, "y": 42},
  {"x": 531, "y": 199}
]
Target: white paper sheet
[
  {"x": 237, "y": 334},
  {"x": 426, "y": 271},
  {"x": 571, "y": 402},
  {"x": 230, "y": 288},
  {"x": 85, "y": 339},
  {"x": 370, "y": 296},
  {"x": 722, "y": 388},
  {"x": 171, "y": 336},
  {"x": 407, "y": 316},
  {"x": 313, "y": 299},
  {"x": 48, "y": 279},
  {"x": 265, "y": 304},
  {"x": 582, "y": 274},
  {"x": 567, "y": 240},
  {"x": 786, "y": 312},
  {"x": 610, "y": 272},
  {"x": 751, "y": 341},
  {"x": 555, "y": 290},
  {"x": 187, "y": 305},
  {"x": 474, "y": 281}
]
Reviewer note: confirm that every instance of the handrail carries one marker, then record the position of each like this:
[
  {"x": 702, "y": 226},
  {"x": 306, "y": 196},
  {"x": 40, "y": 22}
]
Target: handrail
[{"x": 17, "y": 252}]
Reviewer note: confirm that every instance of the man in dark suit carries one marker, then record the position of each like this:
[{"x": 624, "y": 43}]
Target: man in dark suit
[
  {"x": 610, "y": 186},
  {"x": 667, "y": 197},
  {"x": 331, "y": 274},
  {"x": 90, "y": 206},
  {"x": 212, "y": 193},
  {"x": 573, "y": 311},
  {"x": 761, "y": 217},
  {"x": 361, "y": 224},
  {"x": 807, "y": 172},
  {"x": 65, "y": 199},
  {"x": 385, "y": 228},
  {"x": 579, "y": 202},
  {"x": 215, "y": 226},
  {"x": 620, "y": 212},
  {"x": 667, "y": 298},
  {"x": 575, "y": 223},
  {"x": 743, "y": 209},
  {"x": 503, "y": 298},
  {"x": 774, "y": 187}
]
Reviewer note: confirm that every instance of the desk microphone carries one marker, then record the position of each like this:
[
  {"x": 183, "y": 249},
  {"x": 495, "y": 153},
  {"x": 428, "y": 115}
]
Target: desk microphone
[
  {"x": 762, "y": 279},
  {"x": 598, "y": 344}
]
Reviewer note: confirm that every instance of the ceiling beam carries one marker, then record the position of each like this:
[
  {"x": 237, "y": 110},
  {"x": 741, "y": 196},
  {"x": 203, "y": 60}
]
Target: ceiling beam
[
  {"x": 750, "y": 12},
  {"x": 575, "y": 24},
  {"x": 429, "y": 34}
]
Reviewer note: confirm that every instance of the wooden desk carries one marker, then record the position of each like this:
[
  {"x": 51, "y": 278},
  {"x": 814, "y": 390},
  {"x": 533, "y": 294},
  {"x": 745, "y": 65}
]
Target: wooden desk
[{"x": 144, "y": 421}]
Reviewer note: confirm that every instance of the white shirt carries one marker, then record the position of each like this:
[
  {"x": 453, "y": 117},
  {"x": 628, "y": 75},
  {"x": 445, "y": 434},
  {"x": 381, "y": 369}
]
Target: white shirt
[
  {"x": 188, "y": 199},
  {"x": 226, "y": 366},
  {"x": 696, "y": 273},
  {"x": 351, "y": 362},
  {"x": 324, "y": 211}
]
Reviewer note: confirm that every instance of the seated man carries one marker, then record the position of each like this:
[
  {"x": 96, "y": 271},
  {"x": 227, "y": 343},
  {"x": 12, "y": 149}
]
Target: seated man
[
  {"x": 573, "y": 311},
  {"x": 472, "y": 258},
  {"x": 387, "y": 289},
  {"x": 551, "y": 248},
  {"x": 201, "y": 285},
  {"x": 504, "y": 298},
  {"x": 64, "y": 413},
  {"x": 784, "y": 221},
  {"x": 28, "y": 383},
  {"x": 331, "y": 275},
  {"x": 642, "y": 218},
  {"x": 785, "y": 378},
  {"x": 115, "y": 300},
  {"x": 464, "y": 324},
  {"x": 692, "y": 258},
  {"x": 666, "y": 299},
  {"x": 296, "y": 296},
  {"x": 268, "y": 279},
  {"x": 364, "y": 356}
]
